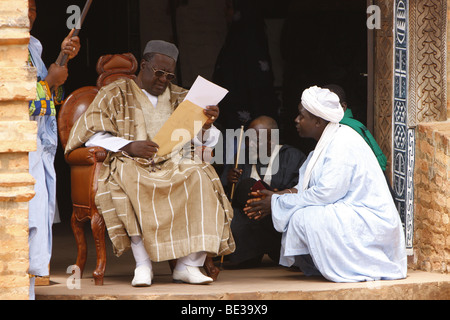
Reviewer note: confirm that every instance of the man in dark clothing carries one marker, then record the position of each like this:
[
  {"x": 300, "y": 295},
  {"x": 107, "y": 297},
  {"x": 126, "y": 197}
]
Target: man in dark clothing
[
  {"x": 256, "y": 237},
  {"x": 244, "y": 67}
]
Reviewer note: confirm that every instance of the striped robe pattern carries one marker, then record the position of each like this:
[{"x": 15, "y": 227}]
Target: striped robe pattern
[{"x": 177, "y": 209}]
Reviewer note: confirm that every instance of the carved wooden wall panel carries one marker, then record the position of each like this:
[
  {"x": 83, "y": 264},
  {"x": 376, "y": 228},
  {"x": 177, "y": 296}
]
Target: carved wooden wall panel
[
  {"x": 410, "y": 87},
  {"x": 404, "y": 136},
  {"x": 383, "y": 93},
  {"x": 427, "y": 67}
]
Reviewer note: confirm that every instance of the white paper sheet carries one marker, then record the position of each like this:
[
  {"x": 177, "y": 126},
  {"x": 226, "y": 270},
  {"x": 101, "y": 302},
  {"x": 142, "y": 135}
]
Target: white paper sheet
[{"x": 205, "y": 93}]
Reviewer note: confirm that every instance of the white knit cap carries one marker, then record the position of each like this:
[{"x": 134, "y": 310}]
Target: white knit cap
[{"x": 323, "y": 103}]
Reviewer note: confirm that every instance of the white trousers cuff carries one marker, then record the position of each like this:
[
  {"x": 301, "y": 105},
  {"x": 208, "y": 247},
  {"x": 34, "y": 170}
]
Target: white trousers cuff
[
  {"x": 195, "y": 259},
  {"x": 139, "y": 253}
]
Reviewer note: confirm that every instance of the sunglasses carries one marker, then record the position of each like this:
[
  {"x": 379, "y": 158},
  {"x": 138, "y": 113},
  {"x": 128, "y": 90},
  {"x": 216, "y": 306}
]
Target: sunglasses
[{"x": 161, "y": 73}]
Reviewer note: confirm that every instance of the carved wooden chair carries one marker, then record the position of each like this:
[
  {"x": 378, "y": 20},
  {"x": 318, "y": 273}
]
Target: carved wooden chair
[{"x": 85, "y": 164}]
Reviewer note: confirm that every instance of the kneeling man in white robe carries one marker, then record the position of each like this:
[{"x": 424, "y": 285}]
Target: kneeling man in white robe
[{"x": 340, "y": 221}]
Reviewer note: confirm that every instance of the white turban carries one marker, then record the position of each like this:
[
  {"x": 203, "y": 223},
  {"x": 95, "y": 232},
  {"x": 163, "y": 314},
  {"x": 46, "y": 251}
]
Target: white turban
[{"x": 323, "y": 103}]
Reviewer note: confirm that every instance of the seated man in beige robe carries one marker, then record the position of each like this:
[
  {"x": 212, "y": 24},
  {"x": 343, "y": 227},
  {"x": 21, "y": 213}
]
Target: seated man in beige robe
[{"x": 164, "y": 208}]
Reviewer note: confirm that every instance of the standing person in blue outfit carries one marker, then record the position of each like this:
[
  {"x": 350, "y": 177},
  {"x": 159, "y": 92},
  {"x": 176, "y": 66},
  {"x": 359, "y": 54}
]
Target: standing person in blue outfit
[
  {"x": 41, "y": 162},
  {"x": 340, "y": 222}
]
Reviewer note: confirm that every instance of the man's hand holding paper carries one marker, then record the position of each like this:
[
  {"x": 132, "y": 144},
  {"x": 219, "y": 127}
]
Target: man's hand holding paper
[
  {"x": 212, "y": 112},
  {"x": 142, "y": 149},
  {"x": 199, "y": 109}
]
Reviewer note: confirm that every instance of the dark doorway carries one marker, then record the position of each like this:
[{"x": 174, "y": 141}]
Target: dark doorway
[
  {"x": 110, "y": 27},
  {"x": 323, "y": 42},
  {"x": 320, "y": 42}
]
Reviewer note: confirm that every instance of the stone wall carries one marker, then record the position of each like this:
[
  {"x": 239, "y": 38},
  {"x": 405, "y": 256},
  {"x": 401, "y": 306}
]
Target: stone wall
[
  {"x": 448, "y": 56},
  {"x": 17, "y": 138},
  {"x": 432, "y": 168},
  {"x": 432, "y": 187}
]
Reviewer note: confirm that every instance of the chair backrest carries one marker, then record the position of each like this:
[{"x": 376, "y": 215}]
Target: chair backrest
[
  {"x": 109, "y": 68},
  {"x": 73, "y": 107},
  {"x": 114, "y": 66}
]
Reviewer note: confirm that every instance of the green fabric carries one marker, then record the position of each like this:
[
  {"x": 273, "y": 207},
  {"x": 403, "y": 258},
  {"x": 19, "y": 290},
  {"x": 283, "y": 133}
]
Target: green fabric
[
  {"x": 367, "y": 136},
  {"x": 43, "y": 104}
]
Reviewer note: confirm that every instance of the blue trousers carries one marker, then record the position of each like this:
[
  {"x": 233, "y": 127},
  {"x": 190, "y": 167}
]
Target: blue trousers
[{"x": 43, "y": 205}]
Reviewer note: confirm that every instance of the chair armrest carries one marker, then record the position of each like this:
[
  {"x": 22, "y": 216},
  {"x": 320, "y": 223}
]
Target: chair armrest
[{"x": 86, "y": 156}]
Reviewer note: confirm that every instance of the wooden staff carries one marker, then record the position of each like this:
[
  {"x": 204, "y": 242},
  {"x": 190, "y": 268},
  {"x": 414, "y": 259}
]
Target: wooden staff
[
  {"x": 62, "y": 58},
  {"x": 234, "y": 184},
  {"x": 237, "y": 160}
]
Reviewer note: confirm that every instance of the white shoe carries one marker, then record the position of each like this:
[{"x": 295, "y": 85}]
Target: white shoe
[
  {"x": 191, "y": 275},
  {"x": 143, "y": 277}
]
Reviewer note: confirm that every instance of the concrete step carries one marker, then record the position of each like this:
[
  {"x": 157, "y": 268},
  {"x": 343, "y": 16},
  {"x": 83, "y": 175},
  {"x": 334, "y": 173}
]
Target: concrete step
[{"x": 268, "y": 282}]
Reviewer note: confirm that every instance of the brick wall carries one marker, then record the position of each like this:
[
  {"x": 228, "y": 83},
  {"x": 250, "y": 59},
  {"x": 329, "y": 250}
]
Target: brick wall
[
  {"x": 448, "y": 58},
  {"x": 17, "y": 138},
  {"x": 432, "y": 188}
]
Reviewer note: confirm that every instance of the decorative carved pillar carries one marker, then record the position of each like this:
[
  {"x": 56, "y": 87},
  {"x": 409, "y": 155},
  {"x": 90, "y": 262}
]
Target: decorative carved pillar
[
  {"x": 428, "y": 58},
  {"x": 403, "y": 134},
  {"x": 383, "y": 81},
  {"x": 410, "y": 87},
  {"x": 419, "y": 90}
]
